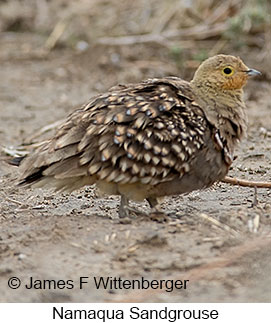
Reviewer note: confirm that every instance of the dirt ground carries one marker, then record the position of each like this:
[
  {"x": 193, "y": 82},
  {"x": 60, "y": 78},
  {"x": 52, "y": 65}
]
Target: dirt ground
[{"x": 220, "y": 239}]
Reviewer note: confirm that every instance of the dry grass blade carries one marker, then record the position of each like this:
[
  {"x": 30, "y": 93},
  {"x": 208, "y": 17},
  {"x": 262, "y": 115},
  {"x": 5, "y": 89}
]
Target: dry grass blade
[
  {"x": 14, "y": 151},
  {"x": 218, "y": 223},
  {"x": 55, "y": 35},
  {"x": 13, "y": 201},
  {"x": 220, "y": 12},
  {"x": 163, "y": 20}
]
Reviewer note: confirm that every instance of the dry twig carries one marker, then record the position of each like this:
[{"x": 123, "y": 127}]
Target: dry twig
[
  {"x": 198, "y": 32},
  {"x": 243, "y": 182}
]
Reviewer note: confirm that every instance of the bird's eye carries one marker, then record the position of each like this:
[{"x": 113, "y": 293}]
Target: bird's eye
[{"x": 228, "y": 71}]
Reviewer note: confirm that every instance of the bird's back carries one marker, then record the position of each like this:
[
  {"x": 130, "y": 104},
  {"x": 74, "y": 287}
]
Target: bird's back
[{"x": 141, "y": 137}]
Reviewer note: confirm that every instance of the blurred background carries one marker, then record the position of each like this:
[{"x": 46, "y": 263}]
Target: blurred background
[
  {"x": 57, "y": 54},
  {"x": 143, "y": 37}
]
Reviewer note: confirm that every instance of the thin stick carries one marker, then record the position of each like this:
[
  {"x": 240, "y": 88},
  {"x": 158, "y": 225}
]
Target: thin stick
[
  {"x": 255, "y": 199},
  {"x": 243, "y": 182}
]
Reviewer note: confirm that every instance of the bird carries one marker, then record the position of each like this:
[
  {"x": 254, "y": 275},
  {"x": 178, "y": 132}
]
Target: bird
[{"x": 145, "y": 141}]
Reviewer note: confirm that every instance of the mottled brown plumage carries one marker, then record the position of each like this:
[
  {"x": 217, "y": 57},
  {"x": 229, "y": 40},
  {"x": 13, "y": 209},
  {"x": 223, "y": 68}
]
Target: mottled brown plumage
[{"x": 148, "y": 140}]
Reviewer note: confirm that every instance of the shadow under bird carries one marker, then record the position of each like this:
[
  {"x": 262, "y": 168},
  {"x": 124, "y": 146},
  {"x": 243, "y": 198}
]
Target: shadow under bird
[{"x": 163, "y": 136}]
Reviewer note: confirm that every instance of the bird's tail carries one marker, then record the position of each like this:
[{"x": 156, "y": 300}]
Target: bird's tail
[{"x": 16, "y": 161}]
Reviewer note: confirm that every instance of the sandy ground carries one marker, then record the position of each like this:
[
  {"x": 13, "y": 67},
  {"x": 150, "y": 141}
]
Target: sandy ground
[{"x": 220, "y": 239}]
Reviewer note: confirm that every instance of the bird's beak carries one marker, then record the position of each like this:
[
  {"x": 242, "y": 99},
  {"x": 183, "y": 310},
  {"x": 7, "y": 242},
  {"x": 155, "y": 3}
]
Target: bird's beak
[{"x": 253, "y": 72}]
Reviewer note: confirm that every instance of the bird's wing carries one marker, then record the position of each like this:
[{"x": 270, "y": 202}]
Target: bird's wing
[{"x": 145, "y": 133}]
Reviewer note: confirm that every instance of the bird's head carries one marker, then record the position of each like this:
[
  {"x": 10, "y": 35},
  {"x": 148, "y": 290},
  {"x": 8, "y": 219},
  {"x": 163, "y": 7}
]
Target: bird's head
[{"x": 223, "y": 72}]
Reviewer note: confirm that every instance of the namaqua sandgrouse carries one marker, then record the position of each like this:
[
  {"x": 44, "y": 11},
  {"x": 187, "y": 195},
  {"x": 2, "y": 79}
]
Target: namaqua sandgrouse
[{"x": 164, "y": 136}]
